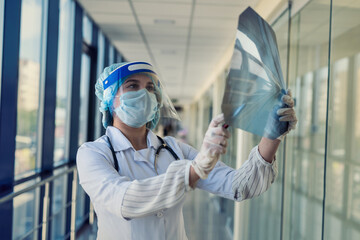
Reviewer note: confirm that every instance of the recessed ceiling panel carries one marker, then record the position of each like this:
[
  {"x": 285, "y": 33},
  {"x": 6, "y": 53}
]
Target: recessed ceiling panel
[
  {"x": 157, "y": 9},
  {"x": 114, "y": 19},
  {"x": 228, "y": 2},
  {"x": 165, "y": 31},
  {"x": 174, "y": 40},
  {"x": 218, "y": 11},
  {"x": 214, "y": 23},
  {"x": 91, "y": 6},
  {"x": 163, "y": 1},
  {"x": 164, "y": 21}
]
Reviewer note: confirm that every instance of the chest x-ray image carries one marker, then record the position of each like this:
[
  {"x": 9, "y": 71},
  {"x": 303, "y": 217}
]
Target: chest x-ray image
[{"x": 255, "y": 84}]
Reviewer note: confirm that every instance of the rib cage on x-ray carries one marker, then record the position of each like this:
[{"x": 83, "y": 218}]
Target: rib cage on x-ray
[{"x": 254, "y": 85}]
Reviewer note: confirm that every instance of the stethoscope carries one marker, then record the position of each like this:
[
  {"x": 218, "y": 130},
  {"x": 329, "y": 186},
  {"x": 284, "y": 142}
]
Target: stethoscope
[{"x": 163, "y": 145}]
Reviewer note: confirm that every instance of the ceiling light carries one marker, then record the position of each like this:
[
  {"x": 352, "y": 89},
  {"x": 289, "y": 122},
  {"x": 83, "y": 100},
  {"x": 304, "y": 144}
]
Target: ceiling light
[
  {"x": 168, "y": 51},
  {"x": 164, "y": 21}
]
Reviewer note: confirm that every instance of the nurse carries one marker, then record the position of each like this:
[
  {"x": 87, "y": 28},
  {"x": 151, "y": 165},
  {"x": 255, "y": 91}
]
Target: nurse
[{"x": 137, "y": 181}]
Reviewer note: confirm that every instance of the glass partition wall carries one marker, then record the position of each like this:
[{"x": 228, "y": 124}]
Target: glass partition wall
[
  {"x": 342, "y": 202},
  {"x": 305, "y": 147},
  {"x": 317, "y": 192}
]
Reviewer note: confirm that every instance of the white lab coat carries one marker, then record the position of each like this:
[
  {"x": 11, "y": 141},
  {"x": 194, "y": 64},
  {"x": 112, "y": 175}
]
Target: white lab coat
[{"x": 136, "y": 203}]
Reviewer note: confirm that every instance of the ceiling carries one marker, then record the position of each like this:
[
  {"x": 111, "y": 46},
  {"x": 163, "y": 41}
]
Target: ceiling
[{"x": 188, "y": 41}]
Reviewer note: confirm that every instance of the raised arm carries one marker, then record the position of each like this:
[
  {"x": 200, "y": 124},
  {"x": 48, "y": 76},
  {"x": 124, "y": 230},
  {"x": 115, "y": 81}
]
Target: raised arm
[
  {"x": 259, "y": 171},
  {"x": 253, "y": 178}
]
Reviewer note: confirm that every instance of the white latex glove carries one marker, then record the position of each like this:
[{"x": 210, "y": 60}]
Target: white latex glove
[
  {"x": 287, "y": 114},
  {"x": 214, "y": 144}
]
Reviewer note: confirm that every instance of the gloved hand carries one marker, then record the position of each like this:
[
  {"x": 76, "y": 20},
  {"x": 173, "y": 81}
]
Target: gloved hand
[
  {"x": 214, "y": 144},
  {"x": 287, "y": 114}
]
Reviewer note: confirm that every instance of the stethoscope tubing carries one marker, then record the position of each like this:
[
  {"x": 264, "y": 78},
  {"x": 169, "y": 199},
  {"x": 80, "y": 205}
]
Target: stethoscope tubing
[{"x": 163, "y": 145}]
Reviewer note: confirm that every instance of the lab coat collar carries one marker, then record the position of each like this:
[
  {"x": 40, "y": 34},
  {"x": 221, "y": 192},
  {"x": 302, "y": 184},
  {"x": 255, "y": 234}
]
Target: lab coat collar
[
  {"x": 152, "y": 140},
  {"x": 121, "y": 143}
]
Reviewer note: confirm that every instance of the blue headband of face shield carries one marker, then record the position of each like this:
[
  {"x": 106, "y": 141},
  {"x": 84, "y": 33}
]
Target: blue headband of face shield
[{"x": 126, "y": 70}]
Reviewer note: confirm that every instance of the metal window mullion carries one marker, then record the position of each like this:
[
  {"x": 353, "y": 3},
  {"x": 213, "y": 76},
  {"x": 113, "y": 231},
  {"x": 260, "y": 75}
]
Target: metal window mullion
[
  {"x": 106, "y": 63},
  {"x": 75, "y": 103},
  {"x": 46, "y": 209},
  {"x": 69, "y": 75},
  {"x": 75, "y": 89},
  {"x": 283, "y": 187},
  {"x": 119, "y": 58},
  {"x": 92, "y": 99},
  {"x": 73, "y": 206},
  {"x": 106, "y": 52},
  {"x": 48, "y": 105},
  {"x": 8, "y": 109},
  {"x": 115, "y": 55},
  {"x": 328, "y": 113}
]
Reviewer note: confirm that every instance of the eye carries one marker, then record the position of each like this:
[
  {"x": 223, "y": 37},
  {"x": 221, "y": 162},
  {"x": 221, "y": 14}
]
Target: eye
[
  {"x": 132, "y": 86},
  {"x": 150, "y": 88}
]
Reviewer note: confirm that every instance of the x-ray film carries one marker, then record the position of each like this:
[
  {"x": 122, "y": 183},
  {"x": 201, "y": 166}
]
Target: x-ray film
[{"x": 255, "y": 84}]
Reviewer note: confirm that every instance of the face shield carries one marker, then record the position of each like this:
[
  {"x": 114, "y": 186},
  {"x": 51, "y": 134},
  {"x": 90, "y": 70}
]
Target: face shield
[{"x": 136, "y": 95}]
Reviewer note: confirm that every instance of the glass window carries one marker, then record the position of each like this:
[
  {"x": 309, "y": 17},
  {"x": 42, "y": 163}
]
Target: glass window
[
  {"x": 264, "y": 212},
  {"x": 119, "y": 58},
  {"x": 101, "y": 52},
  {"x": 353, "y": 233},
  {"x": 87, "y": 29},
  {"x": 338, "y": 103},
  {"x": 328, "y": 129},
  {"x": 111, "y": 54},
  {"x": 355, "y": 151},
  {"x": 318, "y": 118},
  {"x": 84, "y": 98},
  {"x": 100, "y": 68},
  {"x": 191, "y": 123},
  {"x": 342, "y": 215},
  {"x": 207, "y": 109},
  {"x": 303, "y": 96},
  {"x": 64, "y": 72},
  {"x": 29, "y": 85},
  {"x": 80, "y": 206},
  {"x": 305, "y": 147},
  {"x": 355, "y": 193},
  {"x": 85, "y": 80},
  {"x": 25, "y": 217},
  {"x": 1, "y": 36},
  {"x": 58, "y": 210},
  {"x": 83, "y": 114}
]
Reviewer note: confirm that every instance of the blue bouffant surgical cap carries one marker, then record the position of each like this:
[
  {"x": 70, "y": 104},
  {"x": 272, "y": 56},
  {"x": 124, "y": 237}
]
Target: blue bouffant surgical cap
[{"x": 106, "y": 96}]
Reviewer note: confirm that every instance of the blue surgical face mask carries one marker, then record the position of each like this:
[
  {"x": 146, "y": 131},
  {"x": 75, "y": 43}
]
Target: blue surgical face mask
[{"x": 137, "y": 108}]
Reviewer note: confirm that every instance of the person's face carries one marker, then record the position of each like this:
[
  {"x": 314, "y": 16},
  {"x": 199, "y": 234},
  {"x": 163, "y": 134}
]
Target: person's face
[{"x": 135, "y": 82}]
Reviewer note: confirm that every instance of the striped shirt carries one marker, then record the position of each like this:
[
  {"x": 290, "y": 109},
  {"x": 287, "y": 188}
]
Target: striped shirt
[{"x": 136, "y": 203}]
